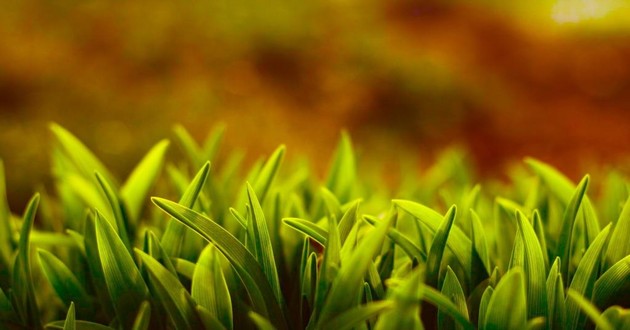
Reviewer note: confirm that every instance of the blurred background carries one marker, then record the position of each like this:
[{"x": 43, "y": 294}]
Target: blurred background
[{"x": 404, "y": 77}]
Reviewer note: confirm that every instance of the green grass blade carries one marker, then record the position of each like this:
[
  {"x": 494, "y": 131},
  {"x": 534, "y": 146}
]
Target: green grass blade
[
  {"x": 348, "y": 283},
  {"x": 80, "y": 155},
  {"x": 612, "y": 282},
  {"x": 342, "y": 173},
  {"x": 175, "y": 231},
  {"x": 264, "y": 246},
  {"x": 134, "y": 191},
  {"x": 153, "y": 248},
  {"x": 445, "y": 305},
  {"x": 483, "y": 306},
  {"x": 262, "y": 295},
  {"x": 555, "y": 297},
  {"x": 540, "y": 234},
  {"x": 63, "y": 281},
  {"x": 260, "y": 322},
  {"x": 208, "y": 320},
  {"x": 70, "y": 322},
  {"x": 400, "y": 239},
  {"x": 116, "y": 209},
  {"x": 565, "y": 241},
  {"x": 188, "y": 144},
  {"x": 584, "y": 279},
  {"x": 619, "y": 244},
  {"x": 534, "y": 268},
  {"x": 209, "y": 288},
  {"x": 479, "y": 241},
  {"x": 332, "y": 203},
  {"x": 170, "y": 292},
  {"x": 143, "y": 319},
  {"x": 125, "y": 285},
  {"x": 7, "y": 244},
  {"x": 434, "y": 259},
  {"x": 359, "y": 315},
  {"x": 618, "y": 317},
  {"x": 589, "y": 309},
  {"x": 22, "y": 281},
  {"x": 268, "y": 173},
  {"x": 458, "y": 243},
  {"x": 80, "y": 325},
  {"x": 452, "y": 289},
  {"x": 307, "y": 228},
  {"x": 504, "y": 315},
  {"x": 406, "y": 298}
]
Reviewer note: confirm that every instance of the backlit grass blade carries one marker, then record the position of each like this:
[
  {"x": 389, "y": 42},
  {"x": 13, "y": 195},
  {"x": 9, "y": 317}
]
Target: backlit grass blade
[
  {"x": 359, "y": 315},
  {"x": 143, "y": 318},
  {"x": 348, "y": 220},
  {"x": 507, "y": 308},
  {"x": 584, "y": 279},
  {"x": 406, "y": 244},
  {"x": 209, "y": 288},
  {"x": 153, "y": 248},
  {"x": 348, "y": 283},
  {"x": 125, "y": 285},
  {"x": 80, "y": 155},
  {"x": 331, "y": 202},
  {"x": 175, "y": 231},
  {"x": 534, "y": 268},
  {"x": 208, "y": 320},
  {"x": 260, "y": 322},
  {"x": 406, "y": 298},
  {"x": 134, "y": 191},
  {"x": 479, "y": 240},
  {"x": 436, "y": 252},
  {"x": 262, "y": 240},
  {"x": 445, "y": 305},
  {"x": 80, "y": 325},
  {"x": 63, "y": 281},
  {"x": 555, "y": 297},
  {"x": 22, "y": 282},
  {"x": 612, "y": 283},
  {"x": 458, "y": 243},
  {"x": 308, "y": 228},
  {"x": 117, "y": 210},
  {"x": 263, "y": 298},
  {"x": 328, "y": 270},
  {"x": 565, "y": 241},
  {"x": 70, "y": 323},
  {"x": 342, "y": 173},
  {"x": 619, "y": 244},
  {"x": 171, "y": 294},
  {"x": 540, "y": 234},
  {"x": 268, "y": 173},
  {"x": 590, "y": 310},
  {"x": 618, "y": 317},
  {"x": 483, "y": 306},
  {"x": 452, "y": 289}
]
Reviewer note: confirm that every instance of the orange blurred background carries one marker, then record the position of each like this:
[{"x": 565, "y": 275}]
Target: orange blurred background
[{"x": 404, "y": 77}]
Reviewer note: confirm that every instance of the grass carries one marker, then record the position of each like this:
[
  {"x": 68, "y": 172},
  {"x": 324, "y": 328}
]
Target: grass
[{"x": 280, "y": 248}]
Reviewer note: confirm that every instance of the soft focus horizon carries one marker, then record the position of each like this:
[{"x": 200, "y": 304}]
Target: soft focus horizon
[{"x": 406, "y": 79}]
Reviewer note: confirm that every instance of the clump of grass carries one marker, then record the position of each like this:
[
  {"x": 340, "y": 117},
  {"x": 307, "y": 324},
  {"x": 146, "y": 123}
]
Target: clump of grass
[{"x": 282, "y": 249}]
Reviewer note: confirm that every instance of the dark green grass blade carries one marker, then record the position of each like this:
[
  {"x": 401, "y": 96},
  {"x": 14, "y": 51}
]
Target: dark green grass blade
[
  {"x": 22, "y": 281},
  {"x": 436, "y": 252},
  {"x": 134, "y": 191},
  {"x": 80, "y": 325},
  {"x": 245, "y": 264},
  {"x": 614, "y": 281},
  {"x": 209, "y": 288},
  {"x": 63, "y": 281},
  {"x": 589, "y": 309},
  {"x": 555, "y": 297},
  {"x": 175, "y": 231},
  {"x": 171, "y": 294},
  {"x": 125, "y": 285}
]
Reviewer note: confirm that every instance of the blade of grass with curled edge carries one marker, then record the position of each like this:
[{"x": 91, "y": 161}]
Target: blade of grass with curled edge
[
  {"x": 63, "y": 281},
  {"x": 459, "y": 244},
  {"x": 613, "y": 281},
  {"x": 267, "y": 174},
  {"x": 405, "y": 313},
  {"x": 134, "y": 191},
  {"x": 408, "y": 246},
  {"x": 534, "y": 268},
  {"x": 590, "y": 310},
  {"x": 169, "y": 291},
  {"x": 452, "y": 289},
  {"x": 175, "y": 231},
  {"x": 80, "y": 155},
  {"x": 308, "y": 228},
  {"x": 436, "y": 252},
  {"x": 359, "y": 315},
  {"x": 342, "y": 173},
  {"x": 70, "y": 322},
  {"x": 143, "y": 318},
  {"x": 618, "y": 317},
  {"x": 209, "y": 288},
  {"x": 507, "y": 308},
  {"x": 245, "y": 264},
  {"x": 565, "y": 241},
  {"x": 22, "y": 283},
  {"x": 555, "y": 297},
  {"x": 584, "y": 279},
  {"x": 262, "y": 240},
  {"x": 116, "y": 208},
  {"x": 619, "y": 244},
  {"x": 348, "y": 283},
  {"x": 124, "y": 282}
]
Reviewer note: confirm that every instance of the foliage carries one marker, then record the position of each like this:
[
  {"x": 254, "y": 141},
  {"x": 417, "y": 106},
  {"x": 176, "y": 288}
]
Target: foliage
[{"x": 280, "y": 249}]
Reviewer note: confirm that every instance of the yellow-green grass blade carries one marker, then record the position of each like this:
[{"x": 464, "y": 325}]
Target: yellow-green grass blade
[
  {"x": 615, "y": 281},
  {"x": 134, "y": 191},
  {"x": 589, "y": 309},
  {"x": 400, "y": 239},
  {"x": 501, "y": 314},
  {"x": 584, "y": 279},
  {"x": 618, "y": 317},
  {"x": 359, "y": 315},
  {"x": 260, "y": 322},
  {"x": 619, "y": 243},
  {"x": 153, "y": 248},
  {"x": 483, "y": 306},
  {"x": 262, "y": 295},
  {"x": 143, "y": 319},
  {"x": 445, "y": 305},
  {"x": 436, "y": 252},
  {"x": 405, "y": 312},
  {"x": 209, "y": 288},
  {"x": 452, "y": 289},
  {"x": 268, "y": 173},
  {"x": 342, "y": 173},
  {"x": 70, "y": 322},
  {"x": 534, "y": 268},
  {"x": 565, "y": 241},
  {"x": 555, "y": 297},
  {"x": 64, "y": 282},
  {"x": 308, "y": 228},
  {"x": 117, "y": 210}
]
